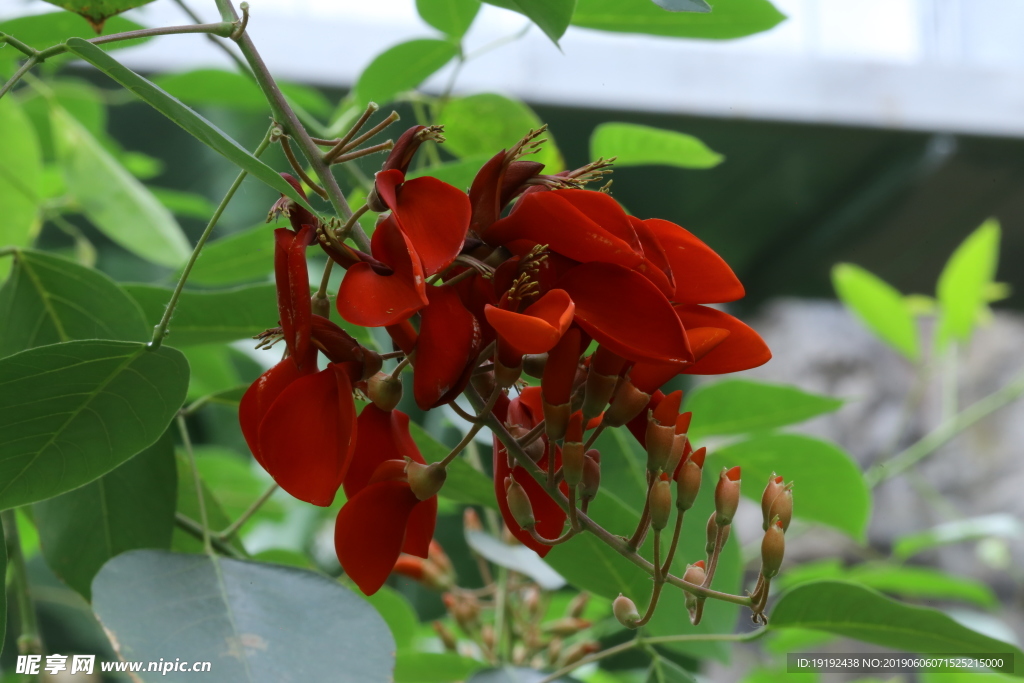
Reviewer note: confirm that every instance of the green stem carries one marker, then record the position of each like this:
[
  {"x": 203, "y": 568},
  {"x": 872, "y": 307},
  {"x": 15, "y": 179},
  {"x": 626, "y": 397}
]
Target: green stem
[
  {"x": 195, "y": 529},
  {"x": 204, "y": 520},
  {"x": 24, "y": 69},
  {"x": 239, "y": 62},
  {"x": 230, "y": 532},
  {"x": 29, "y": 642},
  {"x": 160, "y": 331},
  {"x": 945, "y": 432}
]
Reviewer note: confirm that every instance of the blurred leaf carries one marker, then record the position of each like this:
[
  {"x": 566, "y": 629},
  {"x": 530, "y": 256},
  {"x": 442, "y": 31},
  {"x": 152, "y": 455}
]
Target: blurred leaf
[
  {"x": 588, "y": 563},
  {"x": 193, "y": 123},
  {"x": 516, "y": 557},
  {"x": 21, "y": 166},
  {"x": 452, "y": 17},
  {"x": 401, "y": 68},
  {"x": 737, "y": 406},
  {"x": 48, "y": 299},
  {"x": 142, "y": 166},
  {"x": 464, "y": 484},
  {"x": 727, "y": 19},
  {"x": 829, "y": 486},
  {"x": 396, "y": 611},
  {"x": 210, "y": 317},
  {"x": 82, "y": 100},
  {"x": 240, "y": 257},
  {"x": 257, "y": 622},
  {"x": 879, "y": 306},
  {"x": 510, "y": 674},
  {"x": 188, "y": 505},
  {"x": 132, "y": 506},
  {"x": 46, "y": 30},
  {"x": 230, "y": 89},
  {"x": 188, "y": 204},
  {"x": 482, "y": 125},
  {"x": 551, "y": 16},
  {"x": 115, "y": 202},
  {"x": 965, "y": 280},
  {"x": 96, "y": 12},
  {"x": 232, "y": 479},
  {"x": 81, "y": 408},
  {"x": 664, "y": 671},
  {"x": 788, "y": 640},
  {"x": 212, "y": 371},
  {"x": 458, "y": 173},
  {"x": 634, "y": 145},
  {"x": 431, "y": 667},
  {"x": 920, "y": 304},
  {"x": 958, "y": 531},
  {"x": 3, "y": 593},
  {"x": 683, "y": 5},
  {"x": 861, "y": 613}
]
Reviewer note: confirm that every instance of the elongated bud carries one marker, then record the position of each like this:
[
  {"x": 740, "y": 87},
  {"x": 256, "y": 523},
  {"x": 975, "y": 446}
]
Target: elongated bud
[
  {"x": 625, "y": 611},
  {"x": 782, "y": 507},
  {"x": 658, "y": 440},
  {"x": 712, "y": 534},
  {"x": 531, "y": 600},
  {"x": 556, "y": 420},
  {"x": 773, "y": 489},
  {"x": 519, "y": 504},
  {"x": 566, "y": 626},
  {"x": 321, "y": 306},
  {"x": 487, "y": 635},
  {"x": 577, "y": 652},
  {"x": 627, "y": 403},
  {"x": 773, "y": 547},
  {"x": 661, "y": 503},
  {"x": 591, "y": 475},
  {"x": 535, "y": 449},
  {"x": 572, "y": 451},
  {"x": 695, "y": 573},
  {"x": 534, "y": 363},
  {"x": 448, "y": 639},
  {"x": 425, "y": 480},
  {"x": 506, "y": 376},
  {"x": 578, "y": 605},
  {"x": 688, "y": 479},
  {"x": 598, "y": 390},
  {"x": 384, "y": 390},
  {"x": 727, "y": 495}
]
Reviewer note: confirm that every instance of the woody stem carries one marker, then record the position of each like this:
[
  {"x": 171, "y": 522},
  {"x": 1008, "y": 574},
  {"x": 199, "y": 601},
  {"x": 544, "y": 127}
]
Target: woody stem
[
  {"x": 197, "y": 481},
  {"x": 593, "y": 437},
  {"x": 670, "y": 555},
  {"x": 659, "y": 582},
  {"x": 477, "y": 426}
]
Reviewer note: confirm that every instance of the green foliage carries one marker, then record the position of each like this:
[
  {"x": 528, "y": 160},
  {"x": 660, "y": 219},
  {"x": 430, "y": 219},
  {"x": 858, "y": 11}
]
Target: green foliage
[
  {"x": 96, "y": 12},
  {"x": 21, "y": 167},
  {"x": 683, "y": 5},
  {"x": 879, "y": 306},
  {"x": 664, "y": 671},
  {"x": 512, "y": 674},
  {"x": 516, "y": 557},
  {"x": 829, "y": 487},
  {"x": 850, "y": 610},
  {"x": 479, "y": 126},
  {"x": 130, "y": 507},
  {"x": 48, "y": 299},
  {"x": 464, "y": 483},
  {"x": 236, "y": 483},
  {"x": 331, "y": 634},
  {"x": 965, "y": 282},
  {"x": 551, "y": 16},
  {"x": 401, "y": 68},
  {"x": 188, "y": 505},
  {"x": 81, "y": 408},
  {"x": 187, "y": 204},
  {"x": 240, "y": 257},
  {"x": 397, "y": 613},
  {"x": 727, "y": 19},
  {"x": 738, "y": 406},
  {"x": 3, "y": 593},
  {"x": 635, "y": 145},
  {"x": 46, "y": 30},
  {"x": 433, "y": 667},
  {"x": 958, "y": 531},
  {"x": 452, "y": 17},
  {"x": 232, "y": 90}
]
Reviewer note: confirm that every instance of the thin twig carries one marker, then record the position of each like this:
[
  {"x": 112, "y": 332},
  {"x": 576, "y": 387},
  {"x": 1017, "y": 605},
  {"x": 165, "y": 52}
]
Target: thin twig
[
  {"x": 297, "y": 167},
  {"x": 195, "y": 529},
  {"x": 233, "y": 529},
  {"x": 203, "y": 518}
]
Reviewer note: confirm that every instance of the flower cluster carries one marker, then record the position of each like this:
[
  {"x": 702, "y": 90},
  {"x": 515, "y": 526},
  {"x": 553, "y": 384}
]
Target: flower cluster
[{"x": 525, "y": 273}]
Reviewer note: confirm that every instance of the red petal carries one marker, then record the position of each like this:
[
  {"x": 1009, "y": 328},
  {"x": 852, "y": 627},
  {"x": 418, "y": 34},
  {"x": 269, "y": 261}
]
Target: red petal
[
  {"x": 293, "y": 300},
  {"x": 307, "y": 436},
  {"x": 380, "y": 436},
  {"x": 606, "y": 212},
  {"x": 447, "y": 347},
  {"x": 370, "y": 531},
  {"x": 624, "y": 311},
  {"x": 419, "y": 531},
  {"x": 435, "y": 217},
  {"x": 560, "y": 370},
  {"x": 549, "y": 218},
  {"x": 485, "y": 192},
  {"x": 741, "y": 350},
  {"x": 550, "y": 517},
  {"x": 372, "y": 300},
  {"x": 259, "y": 397},
  {"x": 701, "y": 276},
  {"x": 647, "y": 376},
  {"x": 539, "y": 327},
  {"x": 655, "y": 267}
]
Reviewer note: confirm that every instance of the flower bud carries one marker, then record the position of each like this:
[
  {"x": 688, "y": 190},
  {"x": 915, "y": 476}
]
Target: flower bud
[
  {"x": 712, "y": 534},
  {"x": 535, "y": 449},
  {"x": 627, "y": 403},
  {"x": 688, "y": 479},
  {"x": 531, "y": 600},
  {"x": 566, "y": 626},
  {"x": 591, "y": 475},
  {"x": 658, "y": 440},
  {"x": 572, "y": 451},
  {"x": 773, "y": 547},
  {"x": 320, "y": 305},
  {"x": 533, "y": 364},
  {"x": 782, "y": 507},
  {"x": 504, "y": 375},
  {"x": 773, "y": 489},
  {"x": 695, "y": 573},
  {"x": 598, "y": 390},
  {"x": 451, "y": 644},
  {"x": 625, "y": 611},
  {"x": 425, "y": 480},
  {"x": 384, "y": 390},
  {"x": 556, "y": 420},
  {"x": 519, "y": 504},
  {"x": 577, "y": 652},
  {"x": 661, "y": 503},
  {"x": 727, "y": 495},
  {"x": 578, "y": 605}
]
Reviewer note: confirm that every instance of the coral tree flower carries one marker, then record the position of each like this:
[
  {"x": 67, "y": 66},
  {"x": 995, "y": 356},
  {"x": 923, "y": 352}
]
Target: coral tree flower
[{"x": 383, "y": 518}]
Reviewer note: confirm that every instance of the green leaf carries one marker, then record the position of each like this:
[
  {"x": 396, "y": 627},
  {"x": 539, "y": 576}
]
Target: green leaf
[
  {"x": 234, "y": 482},
  {"x": 829, "y": 487},
  {"x": 188, "y": 505},
  {"x": 48, "y": 299},
  {"x": 210, "y": 317},
  {"x": 480, "y": 126},
  {"x": 879, "y": 306},
  {"x": 188, "y": 204},
  {"x": 683, "y": 5},
  {"x": 401, "y": 68},
  {"x": 551, "y": 16},
  {"x": 634, "y": 145},
  {"x": 727, "y": 19},
  {"x": 737, "y": 406},
  {"x": 959, "y": 531},
  {"x": 81, "y": 408},
  {"x": 240, "y": 257},
  {"x": 21, "y": 168},
  {"x": 3, "y": 593},
  {"x": 452, "y": 17},
  {"x": 130, "y": 507},
  {"x": 230, "y": 89},
  {"x": 458, "y": 173},
  {"x": 46, "y": 30},
  {"x": 516, "y": 557},
  {"x": 254, "y": 622},
  {"x": 511, "y": 674},
  {"x": 665, "y": 671},
  {"x": 431, "y": 667},
  {"x": 588, "y": 563},
  {"x": 212, "y": 370},
  {"x": 861, "y": 613},
  {"x": 463, "y": 484},
  {"x": 112, "y": 199},
  {"x": 96, "y": 12},
  {"x": 193, "y": 123},
  {"x": 397, "y": 613},
  {"x": 965, "y": 281}
]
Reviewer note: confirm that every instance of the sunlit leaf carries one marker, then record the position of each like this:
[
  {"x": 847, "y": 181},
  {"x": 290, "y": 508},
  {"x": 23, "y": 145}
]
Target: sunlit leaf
[
  {"x": 458, "y": 173},
  {"x": 959, "y": 531},
  {"x": 230, "y": 89},
  {"x": 683, "y": 5},
  {"x": 401, "y": 68},
  {"x": 737, "y": 406},
  {"x": 96, "y": 12},
  {"x": 396, "y": 611},
  {"x": 635, "y": 145},
  {"x": 188, "y": 204},
  {"x": 452, "y": 17},
  {"x": 188, "y": 505},
  {"x": 727, "y": 18},
  {"x": 21, "y": 166},
  {"x": 879, "y": 306},
  {"x": 46, "y": 30},
  {"x": 239, "y": 257},
  {"x": 480, "y": 126},
  {"x": 209, "y": 317},
  {"x": 965, "y": 281},
  {"x": 434, "y": 667},
  {"x": 551, "y": 16},
  {"x": 3, "y": 593}
]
